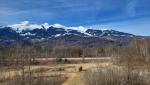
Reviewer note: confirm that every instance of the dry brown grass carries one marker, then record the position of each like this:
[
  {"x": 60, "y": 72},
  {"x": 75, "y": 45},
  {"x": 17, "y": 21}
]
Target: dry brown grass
[
  {"x": 34, "y": 76},
  {"x": 114, "y": 76},
  {"x": 39, "y": 80},
  {"x": 94, "y": 73}
]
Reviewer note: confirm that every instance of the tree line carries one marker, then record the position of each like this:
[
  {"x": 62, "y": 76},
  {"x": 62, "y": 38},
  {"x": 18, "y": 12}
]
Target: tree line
[{"x": 137, "y": 50}]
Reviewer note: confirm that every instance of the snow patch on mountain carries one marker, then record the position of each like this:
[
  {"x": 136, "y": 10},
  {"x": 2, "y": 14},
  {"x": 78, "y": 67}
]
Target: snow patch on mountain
[
  {"x": 26, "y": 28},
  {"x": 23, "y": 25},
  {"x": 78, "y": 28},
  {"x": 26, "y": 25},
  {"x": 58, "y": 26},
  {"x": 28, "y": 33}
]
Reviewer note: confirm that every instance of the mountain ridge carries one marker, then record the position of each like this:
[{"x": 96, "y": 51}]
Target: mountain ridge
[{"x": 61, "y": 35}]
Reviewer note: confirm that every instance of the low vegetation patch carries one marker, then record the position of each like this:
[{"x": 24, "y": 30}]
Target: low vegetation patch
[
  {"x": 107, "y": 76},
  {"x": 38, "y": 80}
]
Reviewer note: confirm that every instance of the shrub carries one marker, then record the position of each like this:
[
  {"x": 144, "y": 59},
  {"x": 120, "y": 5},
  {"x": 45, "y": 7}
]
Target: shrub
[
  {"x": 97, "y": 76},
  {"x": 80, "y": 68}
]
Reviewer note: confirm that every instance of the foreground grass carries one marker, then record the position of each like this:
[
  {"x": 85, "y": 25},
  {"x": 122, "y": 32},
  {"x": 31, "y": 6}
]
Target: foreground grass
[
  {"x": 116, "y": 76},
  {"x": 94, "y": 73}
]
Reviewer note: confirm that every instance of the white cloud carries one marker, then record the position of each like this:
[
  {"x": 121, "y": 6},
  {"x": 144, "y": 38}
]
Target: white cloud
[{"x": 99, "y": 27}]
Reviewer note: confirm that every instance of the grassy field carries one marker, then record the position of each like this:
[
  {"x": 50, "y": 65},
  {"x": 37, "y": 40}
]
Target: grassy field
[{"x": 69, "y": 74}]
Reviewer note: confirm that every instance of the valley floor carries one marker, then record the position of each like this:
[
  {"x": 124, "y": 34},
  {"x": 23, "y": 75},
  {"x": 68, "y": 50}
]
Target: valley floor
[{"x": 71, "y": 71}]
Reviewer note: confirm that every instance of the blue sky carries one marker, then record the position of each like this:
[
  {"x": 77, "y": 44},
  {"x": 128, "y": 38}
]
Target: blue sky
[{"x": 131, "y": 16}]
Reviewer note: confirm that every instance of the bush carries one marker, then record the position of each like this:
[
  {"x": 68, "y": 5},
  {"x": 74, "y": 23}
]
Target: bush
[
  {"x": 97, "y": 76},
  {"x": 80, "y": 68}
]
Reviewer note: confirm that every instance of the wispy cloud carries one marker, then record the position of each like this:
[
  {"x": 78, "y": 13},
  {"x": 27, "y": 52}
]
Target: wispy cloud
[
  {"x": 131, "y": 7},
  {"x": 72, "y": 12}
]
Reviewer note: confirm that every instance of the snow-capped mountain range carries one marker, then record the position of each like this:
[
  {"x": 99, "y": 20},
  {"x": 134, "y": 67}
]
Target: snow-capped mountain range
[
  {"x": 60, "y": 34},
  {"x": 26, "y": 29},
  {"x": 26, "y": 25}
]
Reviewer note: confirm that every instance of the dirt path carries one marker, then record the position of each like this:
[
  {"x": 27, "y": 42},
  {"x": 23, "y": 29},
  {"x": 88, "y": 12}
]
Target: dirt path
[{"x": 75, "y": 79}]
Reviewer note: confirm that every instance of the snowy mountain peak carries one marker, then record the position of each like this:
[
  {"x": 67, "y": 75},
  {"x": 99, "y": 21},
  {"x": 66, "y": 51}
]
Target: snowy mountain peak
[
  {"x": 26, "y": 25},
  {"x": 28, "y": 29},
  {"x": 58, "y": 26},
  {"x": 56, "y": 33}
]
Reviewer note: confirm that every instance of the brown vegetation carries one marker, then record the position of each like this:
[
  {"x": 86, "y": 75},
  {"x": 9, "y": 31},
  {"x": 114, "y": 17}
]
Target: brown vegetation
[
  {"x": 107, "y": 76},
  {"x": 127, "y": 58}
]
